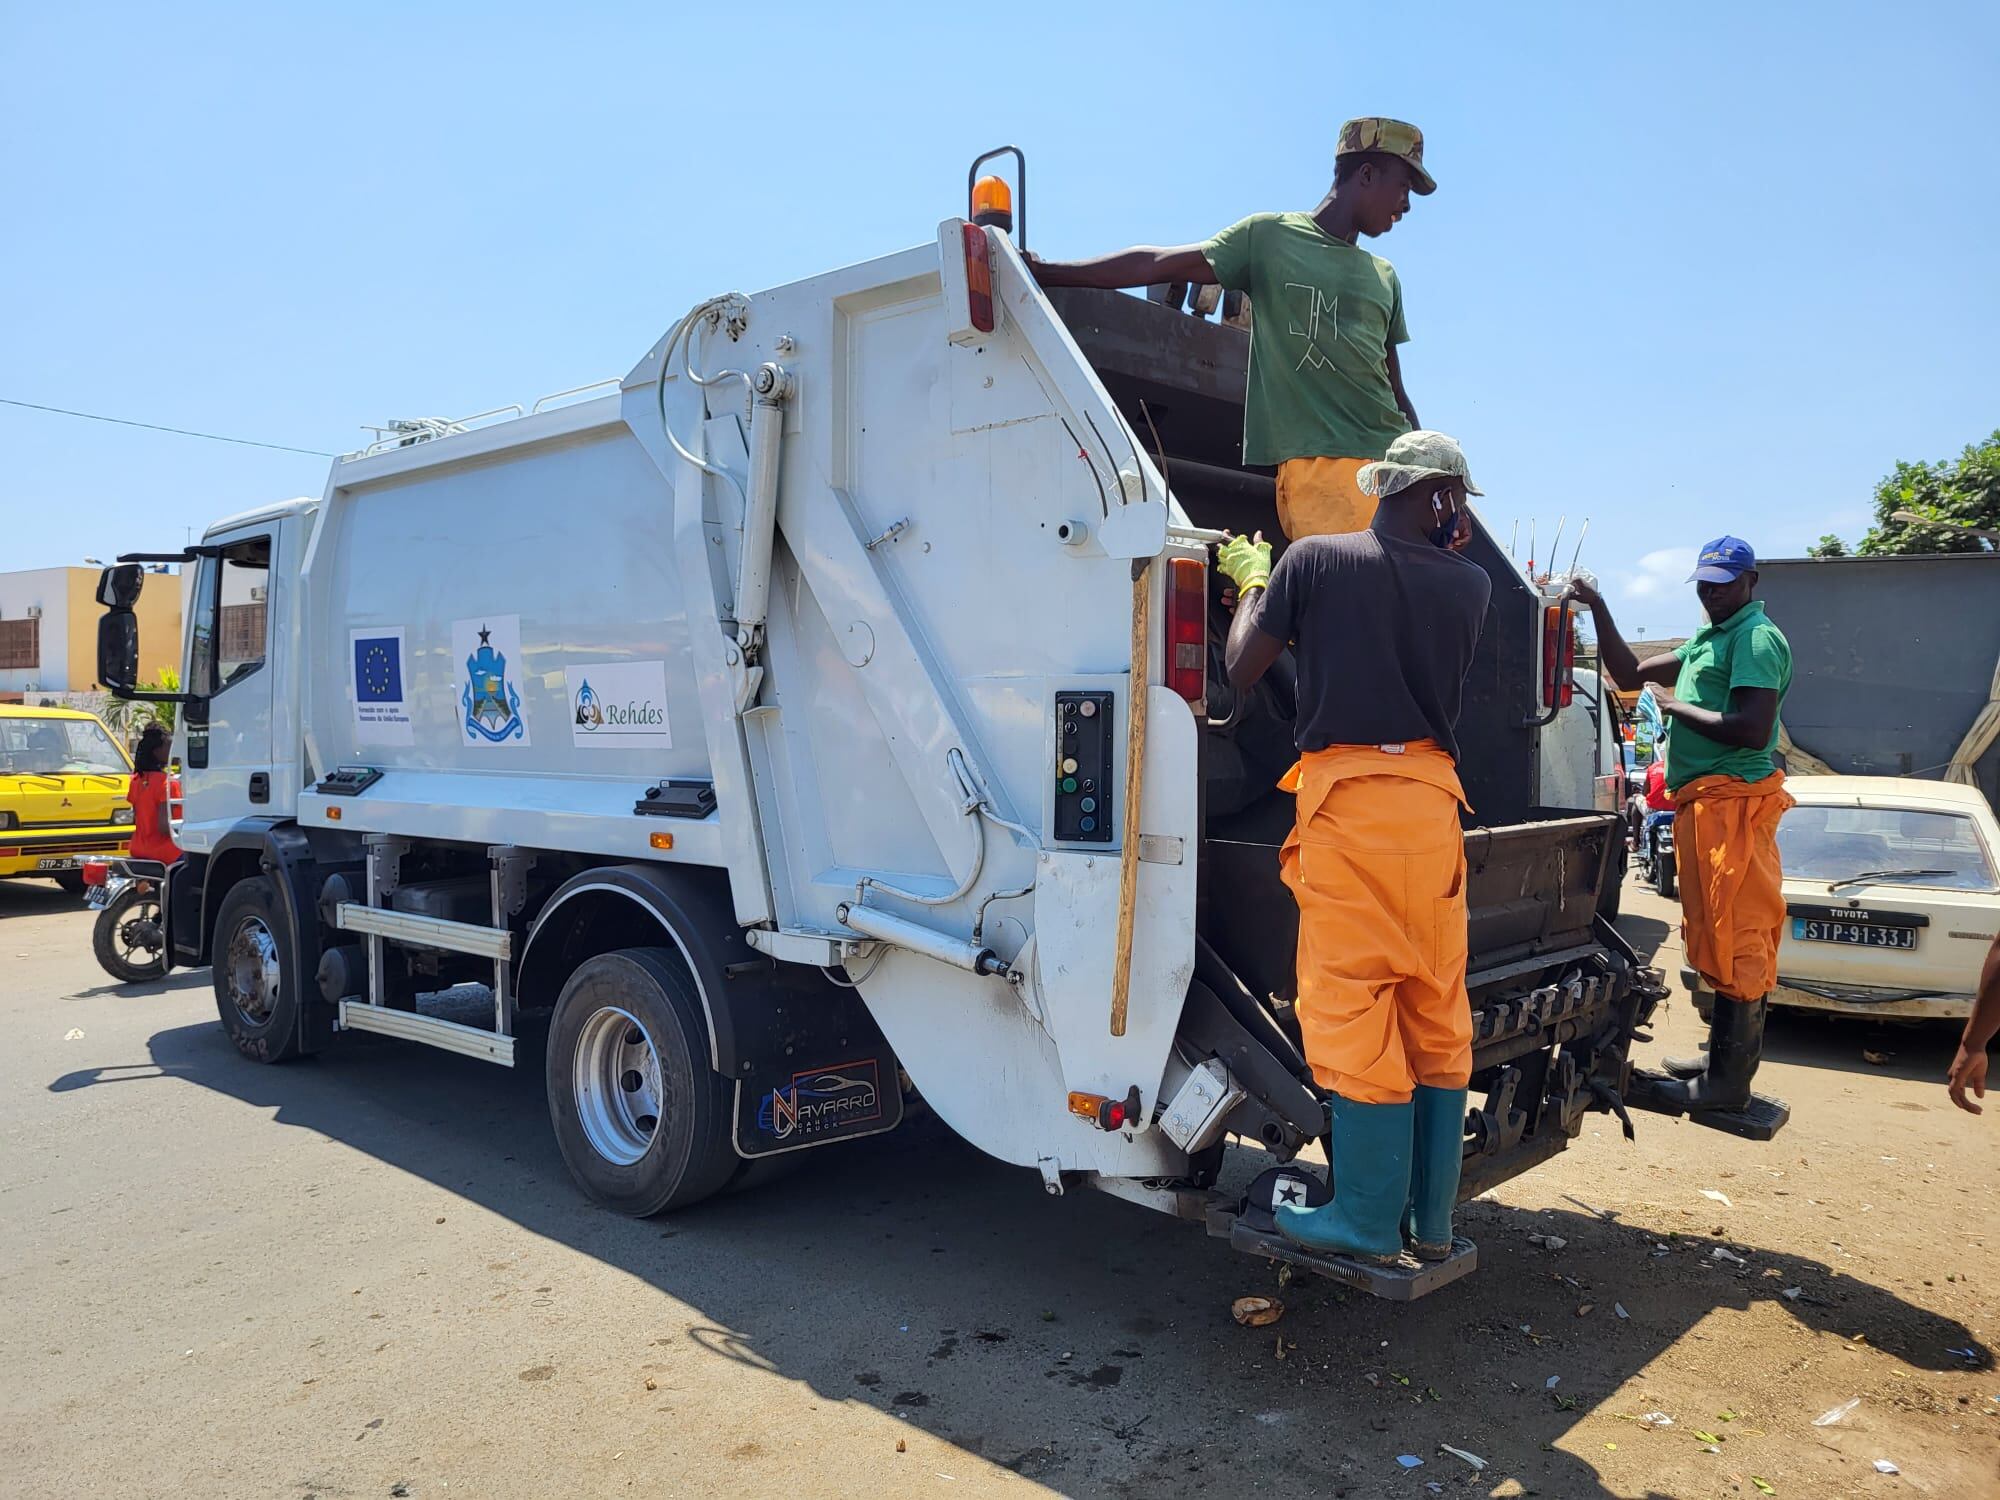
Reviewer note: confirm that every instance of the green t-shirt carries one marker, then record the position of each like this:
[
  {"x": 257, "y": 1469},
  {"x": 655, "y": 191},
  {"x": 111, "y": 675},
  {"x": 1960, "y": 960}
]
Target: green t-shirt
[
  {"x": 1324, "y": 314},
  {"x": 1744, "y": 651}
]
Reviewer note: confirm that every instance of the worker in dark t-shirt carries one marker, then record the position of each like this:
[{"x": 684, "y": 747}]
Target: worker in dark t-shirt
[{"x": 1383, "y": 623}]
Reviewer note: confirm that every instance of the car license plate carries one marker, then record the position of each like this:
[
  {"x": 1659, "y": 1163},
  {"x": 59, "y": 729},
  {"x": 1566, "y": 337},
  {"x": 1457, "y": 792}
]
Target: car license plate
[
  {"x": 1861, "y": 934},
  {"x": 55, "y": 864}
]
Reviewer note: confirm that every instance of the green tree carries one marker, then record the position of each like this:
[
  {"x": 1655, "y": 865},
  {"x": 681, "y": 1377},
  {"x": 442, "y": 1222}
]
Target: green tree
[
  {"x": 1949, "y": 496},
  {"x": 129, "y": 718},
  {"x": 1827, "y": 546}
]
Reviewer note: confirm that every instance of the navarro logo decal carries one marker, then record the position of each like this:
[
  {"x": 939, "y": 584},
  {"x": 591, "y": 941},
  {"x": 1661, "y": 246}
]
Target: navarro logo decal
[{"x": 821, "y": 1101}]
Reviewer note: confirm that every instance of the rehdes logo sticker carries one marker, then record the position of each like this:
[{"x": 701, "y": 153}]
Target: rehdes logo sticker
[{"x": 619, "y": 705}]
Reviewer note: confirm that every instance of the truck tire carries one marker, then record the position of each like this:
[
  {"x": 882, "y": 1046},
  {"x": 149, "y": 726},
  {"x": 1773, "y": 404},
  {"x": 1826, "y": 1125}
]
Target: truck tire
[
  {"x": 256, "y": 992},
  {"x": 642, "y": 1121}
]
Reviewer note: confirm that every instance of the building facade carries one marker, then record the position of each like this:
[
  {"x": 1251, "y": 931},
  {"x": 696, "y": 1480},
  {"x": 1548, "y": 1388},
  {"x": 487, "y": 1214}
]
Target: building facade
[{"x": 48, "y": 630}]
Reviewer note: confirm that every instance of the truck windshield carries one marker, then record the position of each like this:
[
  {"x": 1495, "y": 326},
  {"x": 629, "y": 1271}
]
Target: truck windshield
[
  {"x": 1895, "y": 845},
  {"x": 58, "y": 747}
]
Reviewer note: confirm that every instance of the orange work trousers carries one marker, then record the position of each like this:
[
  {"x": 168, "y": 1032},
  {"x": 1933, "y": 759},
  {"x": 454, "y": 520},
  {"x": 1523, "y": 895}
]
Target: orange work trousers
[
  {"x": 1376, "y": 862},
  {"x": 1732, "y": 891},
  {"x": 1320, "y": 497}
]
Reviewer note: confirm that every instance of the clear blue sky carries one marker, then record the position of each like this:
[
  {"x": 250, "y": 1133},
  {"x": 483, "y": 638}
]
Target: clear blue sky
[{"x": 1707, "y": 268}]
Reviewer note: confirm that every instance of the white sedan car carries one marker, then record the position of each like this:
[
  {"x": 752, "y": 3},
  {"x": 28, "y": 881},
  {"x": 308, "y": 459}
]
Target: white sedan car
[{"x": 1891, "y": 898}]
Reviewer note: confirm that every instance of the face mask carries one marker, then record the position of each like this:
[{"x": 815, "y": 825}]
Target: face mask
[{"x": 1444, "y": 512}]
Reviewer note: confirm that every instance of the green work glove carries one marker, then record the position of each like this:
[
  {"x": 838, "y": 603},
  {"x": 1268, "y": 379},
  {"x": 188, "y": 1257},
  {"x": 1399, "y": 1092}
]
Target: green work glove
[{"x": 1245, "y": 562}]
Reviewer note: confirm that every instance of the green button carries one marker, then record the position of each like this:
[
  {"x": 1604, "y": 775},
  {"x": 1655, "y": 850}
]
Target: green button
[{"x": 1069, "y": 783}]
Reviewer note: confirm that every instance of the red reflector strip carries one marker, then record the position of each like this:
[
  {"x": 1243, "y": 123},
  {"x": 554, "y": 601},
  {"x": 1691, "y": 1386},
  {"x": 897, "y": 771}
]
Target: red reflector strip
[
  {"x": 1187, "y": 628},
  {"x": 1558, "y": 656},
  {"x": 978, "y": 278}
]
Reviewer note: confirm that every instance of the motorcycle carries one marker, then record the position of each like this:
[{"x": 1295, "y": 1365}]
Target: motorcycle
[
  {"x": 1656, "y": 853},
  {"x": 130, "y": 939}
]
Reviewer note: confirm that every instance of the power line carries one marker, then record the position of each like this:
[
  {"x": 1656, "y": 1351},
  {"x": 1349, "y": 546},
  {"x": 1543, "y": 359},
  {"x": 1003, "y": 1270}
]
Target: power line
[{"x": 91, "y": 416}]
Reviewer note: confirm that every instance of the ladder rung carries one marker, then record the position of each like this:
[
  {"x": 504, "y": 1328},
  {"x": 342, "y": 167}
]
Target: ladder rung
[
  {"x": 427, "y": 932},
  {"x": 358, "y": 1015}
]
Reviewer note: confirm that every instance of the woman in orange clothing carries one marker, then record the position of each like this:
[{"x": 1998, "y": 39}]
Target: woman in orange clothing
[
  {"x": 151, "y": 790},
  {"x": 1727, "y": 683},
  {"x": 1383, "y": 623}
]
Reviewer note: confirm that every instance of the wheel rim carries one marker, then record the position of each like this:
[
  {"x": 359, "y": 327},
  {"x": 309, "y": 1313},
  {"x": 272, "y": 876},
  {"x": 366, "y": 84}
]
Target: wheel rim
[
  {"x": 252, "y": 970},
  {"x": 138, "y": 938},
  {"x": 619, "y": 1098}
]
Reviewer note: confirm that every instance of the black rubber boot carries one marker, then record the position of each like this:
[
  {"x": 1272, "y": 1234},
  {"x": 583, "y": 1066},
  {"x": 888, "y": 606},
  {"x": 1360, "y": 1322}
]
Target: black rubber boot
[
  {"x": 1685, "y": 1067},
  {"x": 1735, "y": 1046}
]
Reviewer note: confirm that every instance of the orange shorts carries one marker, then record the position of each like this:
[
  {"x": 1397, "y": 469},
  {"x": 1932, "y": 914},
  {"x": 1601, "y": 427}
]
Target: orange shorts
[
  {"x": 1732, "y": 887},
  {"x": 1376, "y": 862},
  {"x": 1319, "y": 497}
]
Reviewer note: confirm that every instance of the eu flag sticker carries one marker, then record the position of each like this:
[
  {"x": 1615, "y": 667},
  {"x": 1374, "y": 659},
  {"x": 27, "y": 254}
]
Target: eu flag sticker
[{"x": 381, "y": 713}]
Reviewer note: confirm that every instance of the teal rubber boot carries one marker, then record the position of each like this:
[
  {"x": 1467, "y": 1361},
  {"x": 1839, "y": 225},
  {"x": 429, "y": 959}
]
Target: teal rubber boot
[
  {"x": 1371, "y": 1185},
  {"x": 1439, "y": 1153}
]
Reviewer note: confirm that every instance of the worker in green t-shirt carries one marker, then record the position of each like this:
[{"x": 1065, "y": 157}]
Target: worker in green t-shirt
[
  {"x": 1727, "y": 684},
  {"x": 1326, "y": 391}
]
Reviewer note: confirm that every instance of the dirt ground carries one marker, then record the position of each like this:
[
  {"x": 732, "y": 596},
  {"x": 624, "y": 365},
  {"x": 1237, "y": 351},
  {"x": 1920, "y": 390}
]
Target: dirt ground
[{"x": 367, "y": 1275}]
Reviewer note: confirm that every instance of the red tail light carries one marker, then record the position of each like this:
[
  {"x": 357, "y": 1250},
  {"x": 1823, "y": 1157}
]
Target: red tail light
[
  {"x": 1187, "y": 629},
  {"x": 979, "y": 278},
  {"x": 1558, "y": 656},
  {"x": 95, "y": 872}
]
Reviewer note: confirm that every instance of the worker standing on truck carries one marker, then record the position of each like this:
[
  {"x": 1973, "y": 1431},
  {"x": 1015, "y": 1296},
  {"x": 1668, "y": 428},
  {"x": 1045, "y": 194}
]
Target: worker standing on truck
[
  {"x": 1723, "y": 690},
  {"x": 1326, "y": 390},
  {"x": 1384, "y": 623}
]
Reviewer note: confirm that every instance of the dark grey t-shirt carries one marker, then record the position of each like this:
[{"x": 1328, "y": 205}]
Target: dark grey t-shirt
[{"x": 1378, "y": 664}]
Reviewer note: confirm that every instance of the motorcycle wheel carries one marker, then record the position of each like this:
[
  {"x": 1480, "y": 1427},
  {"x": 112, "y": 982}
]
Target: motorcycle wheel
[{"x": 129, "y": 938}]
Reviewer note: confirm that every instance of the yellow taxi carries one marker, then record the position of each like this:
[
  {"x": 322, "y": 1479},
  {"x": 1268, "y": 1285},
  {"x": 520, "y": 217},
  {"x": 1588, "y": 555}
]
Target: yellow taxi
[{"x": 63, "y": 780}]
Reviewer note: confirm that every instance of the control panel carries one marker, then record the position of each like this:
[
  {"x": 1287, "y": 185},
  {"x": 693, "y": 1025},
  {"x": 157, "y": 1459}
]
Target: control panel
[{"x": 1085, "y": 730}]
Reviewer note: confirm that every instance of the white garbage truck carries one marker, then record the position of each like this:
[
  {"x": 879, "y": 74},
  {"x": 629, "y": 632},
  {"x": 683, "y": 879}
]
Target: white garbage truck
[{"x": 829, "y": 719}]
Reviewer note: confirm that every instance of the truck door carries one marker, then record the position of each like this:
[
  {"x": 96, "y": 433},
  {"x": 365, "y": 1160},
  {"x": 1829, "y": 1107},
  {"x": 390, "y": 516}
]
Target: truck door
[{"x": 227, "y": 759}]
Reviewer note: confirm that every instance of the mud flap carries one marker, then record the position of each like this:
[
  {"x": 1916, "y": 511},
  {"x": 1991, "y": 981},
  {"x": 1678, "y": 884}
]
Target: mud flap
[
  {"x": 842, "y": 1099},
  {"x": 1759, "y": 1120}
]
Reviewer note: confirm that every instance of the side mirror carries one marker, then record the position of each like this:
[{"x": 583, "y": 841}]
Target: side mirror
[
  {"x": 118, "y": 588},
  {"x": 118, "y": 644}
]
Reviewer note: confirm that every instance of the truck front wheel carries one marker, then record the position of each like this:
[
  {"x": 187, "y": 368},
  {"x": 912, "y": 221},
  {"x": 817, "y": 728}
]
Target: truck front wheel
[
  {"x": 641, "y": 1119},
  {"x": 256, "y": 994}
]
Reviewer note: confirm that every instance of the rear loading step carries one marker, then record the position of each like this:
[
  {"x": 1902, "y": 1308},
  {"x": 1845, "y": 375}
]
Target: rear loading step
[
  {"x": 1405, "y": 1281},
  {"x": 1759, "y": 1120}
]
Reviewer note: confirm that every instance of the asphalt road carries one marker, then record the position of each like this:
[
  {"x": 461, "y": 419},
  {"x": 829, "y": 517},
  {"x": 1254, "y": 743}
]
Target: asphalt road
[{"x": 366, "y": 1274}]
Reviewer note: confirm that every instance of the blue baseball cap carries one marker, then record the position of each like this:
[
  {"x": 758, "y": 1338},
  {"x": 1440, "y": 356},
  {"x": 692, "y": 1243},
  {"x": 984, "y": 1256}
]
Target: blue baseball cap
[{"x": 1723, "y": 560}]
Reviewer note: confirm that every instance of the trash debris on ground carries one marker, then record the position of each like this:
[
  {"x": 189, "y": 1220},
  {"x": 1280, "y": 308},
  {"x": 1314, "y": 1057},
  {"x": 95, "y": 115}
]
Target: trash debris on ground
[
  {"x": 1791, "y": 1293},
  {"x": 1828, "y": 1418},
  {"x": 1880, "y": 1059},
  {"x": 1585, "y": 1309},
  {"x": 1409, "y": 1460},
  {"x": 1255, "y": 1312},
  {"x": 1714, "y": 1197},
  {"x": 1883, "y": 1466},
  {"x": 1723, "y": 1252},
  {"x": 1281, "y": 1346},
  {"x": 1372, "y": 1378},
  {"x": 1550, "y": 1383},
  {"x": 1654, "y": 1419},
  {"x": 1707, "y": 1437},
  {"x": 1474, "y": 1459},
  {"x": 1970, "y": 1356},
  {"x": 74, "y": 1034},
  {"x": 652, "y": 1384},
  {"x": 1764, "y": 1484},
  {"x": 902, "y": 1445},
  {"x": 1619, "y": 1308},
  {"x": 1548, "y": 1241}
]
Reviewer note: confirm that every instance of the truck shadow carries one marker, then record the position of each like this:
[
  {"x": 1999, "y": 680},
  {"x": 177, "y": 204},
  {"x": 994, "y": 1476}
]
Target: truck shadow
[
  {"x": 1916, "y": 1051},
  {"x": 1079, "y": 1341}
]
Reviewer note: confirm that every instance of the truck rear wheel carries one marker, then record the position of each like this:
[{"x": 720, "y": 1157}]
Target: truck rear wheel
[
  {"x": 256, "y": 994},
  {"x": 641, "y": 1119}
]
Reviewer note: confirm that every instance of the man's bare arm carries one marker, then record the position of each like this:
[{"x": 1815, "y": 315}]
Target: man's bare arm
[
  {"x": 1746, "y": 724},
  {"x": 1968, "y": 1068},
  {"x": 1142, "y": 265},
  {"x": 1250, "y": 650},
  {"x": 1621, "y": 664},
  {"x": 1396, "y": 385}
]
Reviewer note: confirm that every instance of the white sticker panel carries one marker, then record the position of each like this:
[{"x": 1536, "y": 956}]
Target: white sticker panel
[
  {"x": 619, "y": 705},
  {"x": 377, "y": 686},
  {"x": 487, "y": 679}
]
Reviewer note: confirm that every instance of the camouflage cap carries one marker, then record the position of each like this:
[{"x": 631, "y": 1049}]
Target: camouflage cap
[
  {"x": 1392, "y": 138},
  {"x": 1412, "y": 457}
]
